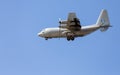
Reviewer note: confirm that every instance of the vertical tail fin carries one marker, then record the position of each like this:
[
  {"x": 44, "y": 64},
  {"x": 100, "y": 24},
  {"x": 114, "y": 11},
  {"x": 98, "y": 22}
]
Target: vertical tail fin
[{"x": 103, "y": 20}]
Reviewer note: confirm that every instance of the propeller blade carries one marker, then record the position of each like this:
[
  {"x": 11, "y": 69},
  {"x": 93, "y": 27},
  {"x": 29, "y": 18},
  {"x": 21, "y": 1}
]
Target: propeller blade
[{"x": 59, "y": 20}]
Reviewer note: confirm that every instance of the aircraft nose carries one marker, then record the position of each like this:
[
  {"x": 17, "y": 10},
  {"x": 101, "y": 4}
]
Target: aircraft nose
[{"x": 39, "y": 34}]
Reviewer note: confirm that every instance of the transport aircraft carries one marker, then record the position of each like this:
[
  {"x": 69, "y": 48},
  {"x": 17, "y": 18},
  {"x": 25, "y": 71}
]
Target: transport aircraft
[{"x": 71, "y": 28}]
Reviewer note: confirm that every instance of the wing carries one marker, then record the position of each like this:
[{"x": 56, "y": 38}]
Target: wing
[
  {"x": 73, "y": 22},
  {"x": 71, "y": 16}
]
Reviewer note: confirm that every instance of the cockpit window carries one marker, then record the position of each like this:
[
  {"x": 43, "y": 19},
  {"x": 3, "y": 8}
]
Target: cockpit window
[{"x": 42, "y": 31}]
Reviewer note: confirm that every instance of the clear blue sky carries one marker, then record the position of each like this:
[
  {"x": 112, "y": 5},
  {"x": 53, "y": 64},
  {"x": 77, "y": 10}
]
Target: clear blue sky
[{"x": 22, "y": 52}]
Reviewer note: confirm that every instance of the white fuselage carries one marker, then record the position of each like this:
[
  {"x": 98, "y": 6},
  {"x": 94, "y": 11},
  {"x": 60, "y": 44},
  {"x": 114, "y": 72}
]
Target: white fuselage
[{"x": 61, "y": 32}]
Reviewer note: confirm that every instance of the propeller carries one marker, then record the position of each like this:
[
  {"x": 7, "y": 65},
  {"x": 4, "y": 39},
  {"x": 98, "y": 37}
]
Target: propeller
[
  {"x": 60, "y": 21},
  {"x": 59, "y": 26}
]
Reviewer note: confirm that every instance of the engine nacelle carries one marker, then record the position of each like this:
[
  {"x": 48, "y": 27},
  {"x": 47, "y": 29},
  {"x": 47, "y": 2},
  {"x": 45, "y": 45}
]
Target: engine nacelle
[{"x": 63, "y": 22}]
